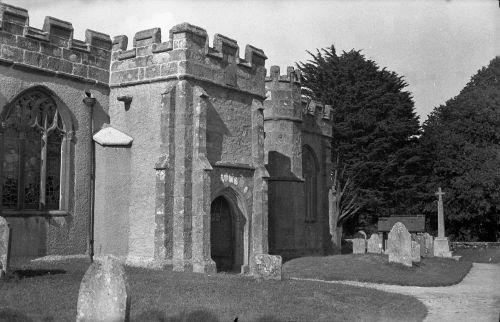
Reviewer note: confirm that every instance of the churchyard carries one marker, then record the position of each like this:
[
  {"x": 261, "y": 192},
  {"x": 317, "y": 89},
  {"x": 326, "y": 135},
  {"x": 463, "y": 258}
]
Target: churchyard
[
  {"x": 49, "y": 292},
  {"x": 60, "y": 289}
]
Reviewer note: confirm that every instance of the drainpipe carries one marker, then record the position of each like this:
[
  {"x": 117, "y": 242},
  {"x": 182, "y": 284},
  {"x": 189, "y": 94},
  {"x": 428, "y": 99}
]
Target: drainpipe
[{"x": 90, "y": 101}]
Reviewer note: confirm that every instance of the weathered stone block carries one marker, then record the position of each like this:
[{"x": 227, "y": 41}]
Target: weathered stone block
[
  {"x": 60, "y": 65},
  {"x": 7, "y": 38},
  {"x": 98, "y": 74},
  {"x": 50, "y": 49},
  {"x": 35, "y": 59},
  {"x": 268, "y": 266},
  {"x": 358, "y": 245},
  {"x": 428, "y": 242},
  {"x": 104, "y": 292},
  {"x": 399, "y": 245},
  {"x": 441, "y": 247},
  {"x": 415, "y": 251},
  {"x": 4, "y": 246},
  {"x": 28, "y": 44},
  {"x": 80, "y": 70},
  {"x": 374, "y": 244},
  {"x": 125, "y": 76},
  {"x": 12, "y": 53}
]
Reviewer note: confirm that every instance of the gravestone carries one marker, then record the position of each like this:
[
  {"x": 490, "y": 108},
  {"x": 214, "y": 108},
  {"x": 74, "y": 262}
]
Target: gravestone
[
  {"x": 104, "y": 293},
  {"x": 358, "y": 245},
  {"x": 268, "y": 267},
  {"x": 399, "y": 245},
  {"x": 419, "y": 238},
  {"x": 415, "y": 251},
  {"x": 374, "y": 244},
  {"x": 4, "y": 246},
  {"x": 428, "y": 245}
]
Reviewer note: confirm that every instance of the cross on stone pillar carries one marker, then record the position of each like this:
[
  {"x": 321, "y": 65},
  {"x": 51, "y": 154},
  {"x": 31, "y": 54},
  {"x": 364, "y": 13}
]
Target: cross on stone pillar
[{"x": 440, "y": 194}]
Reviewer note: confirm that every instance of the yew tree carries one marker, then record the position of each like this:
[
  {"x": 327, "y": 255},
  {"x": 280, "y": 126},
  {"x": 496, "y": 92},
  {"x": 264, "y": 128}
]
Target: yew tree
[
  {"x": 461, "y": 145},
  {"x": 375, "y": 131}
]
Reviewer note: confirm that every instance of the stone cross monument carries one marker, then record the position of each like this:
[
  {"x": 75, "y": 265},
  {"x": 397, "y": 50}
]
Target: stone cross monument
[
  {"x": 441, "y": 245},
  {"x": 440, "y": 194}
]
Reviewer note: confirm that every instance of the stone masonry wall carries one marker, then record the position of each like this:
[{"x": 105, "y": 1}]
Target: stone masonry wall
[
  {"x": 52, "y": 49},
  {"x": 193, "y": 112},
  {"x": 49, "y": 59},
  {"x": 290, "y": 125}
]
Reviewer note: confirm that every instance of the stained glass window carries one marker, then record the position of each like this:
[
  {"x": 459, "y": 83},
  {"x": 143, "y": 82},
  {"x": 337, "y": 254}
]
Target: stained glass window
[{"x": 32, "y": 137}]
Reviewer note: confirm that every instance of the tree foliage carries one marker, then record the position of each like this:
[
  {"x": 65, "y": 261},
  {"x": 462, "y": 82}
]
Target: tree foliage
[
  {"x": 461, "y": 148},
  {"x": 375, "y": 128}
]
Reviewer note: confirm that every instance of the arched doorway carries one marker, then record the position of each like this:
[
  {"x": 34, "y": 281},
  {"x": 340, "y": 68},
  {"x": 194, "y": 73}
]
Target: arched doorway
[{"x": 222, "y": 234}]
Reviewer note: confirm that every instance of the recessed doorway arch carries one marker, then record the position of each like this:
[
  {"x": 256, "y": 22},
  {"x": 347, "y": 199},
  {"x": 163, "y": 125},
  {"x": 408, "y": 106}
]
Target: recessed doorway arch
[{"x": 229, "y": 232}]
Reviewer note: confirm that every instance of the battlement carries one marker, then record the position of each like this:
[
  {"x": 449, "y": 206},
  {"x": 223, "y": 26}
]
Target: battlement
[
  {"x": 53, "y": 49},
  {"x": 292, "y": 75},
  {"x": 187, "y": 53},
  {"x": 317, "y": 109},
  {"x": 317, "y": 117}
]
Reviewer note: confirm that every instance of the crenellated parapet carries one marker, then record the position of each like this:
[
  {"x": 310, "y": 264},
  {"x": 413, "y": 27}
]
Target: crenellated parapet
[
  {"x": 292, "y": 75},
  {"x": 317, "y": 117},
  {"x": 52, "y": 49},
  {"x": 283, "y": 95},
  {"x": 187, "y": 54}
]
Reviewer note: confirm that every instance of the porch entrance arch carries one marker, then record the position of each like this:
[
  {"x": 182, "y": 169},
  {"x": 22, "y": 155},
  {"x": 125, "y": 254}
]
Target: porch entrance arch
[{"x": 228, "y": 233}]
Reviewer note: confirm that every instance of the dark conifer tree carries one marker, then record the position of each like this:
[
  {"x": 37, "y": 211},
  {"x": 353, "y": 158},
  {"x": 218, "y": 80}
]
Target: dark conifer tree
[
  {"x": 375, "y": 130},
  {"x": 461, "y": 146}
]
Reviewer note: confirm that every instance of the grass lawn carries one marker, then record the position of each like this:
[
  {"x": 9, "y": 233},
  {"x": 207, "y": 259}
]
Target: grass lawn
[
  {"x": 173, "y": 296},
  {"x": 479, "y": 255},
  {"x": 377, "y": 269}
]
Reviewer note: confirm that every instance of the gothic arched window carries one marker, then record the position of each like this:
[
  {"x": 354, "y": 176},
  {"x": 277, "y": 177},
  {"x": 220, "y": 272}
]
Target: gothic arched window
[
  {"x": 34, "y": 139},
  {"x": 310, "y": 173}
]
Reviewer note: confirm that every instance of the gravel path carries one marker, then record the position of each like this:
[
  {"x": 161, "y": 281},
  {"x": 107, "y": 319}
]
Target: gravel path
[{"x": 476, "y": 298}]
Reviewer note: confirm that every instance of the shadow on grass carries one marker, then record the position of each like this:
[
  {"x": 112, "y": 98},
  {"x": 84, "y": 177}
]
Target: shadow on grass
[
  {"x": 24, "y": 273},
  {"x": 17, "y": 275},
  {"x": 195, "y": 316},
  {"x": 10, "y": 315}
]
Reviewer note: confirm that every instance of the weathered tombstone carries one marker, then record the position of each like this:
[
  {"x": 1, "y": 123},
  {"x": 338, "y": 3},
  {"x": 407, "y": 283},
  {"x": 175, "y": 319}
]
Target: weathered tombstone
[
  {"x": 4, "y": 246},
  {"x": 428, "y": 245},
  {"x": 358, "y": 245},
  {"x": 399, "y": 245},
  {"x": 104, "y": 294},
  {"x": 268, "y": 267},
  {"x": 441, "y": 246},
  {"x": 415, "y": 252},
  {"x": 419, "y": 238},
  {"x": 374, "y": 244}
]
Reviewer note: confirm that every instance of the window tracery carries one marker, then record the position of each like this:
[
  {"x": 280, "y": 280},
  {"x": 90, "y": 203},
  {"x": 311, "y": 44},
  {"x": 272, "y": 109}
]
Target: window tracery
[{"x": 33, "y": 132}]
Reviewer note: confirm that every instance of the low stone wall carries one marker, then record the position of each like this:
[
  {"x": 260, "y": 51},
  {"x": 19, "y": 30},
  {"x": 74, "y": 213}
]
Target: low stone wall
[{"x": 466, "y": 245}]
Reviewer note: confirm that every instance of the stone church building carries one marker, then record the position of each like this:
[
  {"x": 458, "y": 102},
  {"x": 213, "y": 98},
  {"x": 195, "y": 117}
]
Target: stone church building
[{"x": 165, "y": 151}]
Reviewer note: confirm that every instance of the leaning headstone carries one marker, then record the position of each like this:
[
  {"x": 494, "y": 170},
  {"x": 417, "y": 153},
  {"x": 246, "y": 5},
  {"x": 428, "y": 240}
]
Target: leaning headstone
[
  {"x": 399, "y": 245},
  {"x": 268, "y": 267},
  {"x": 4, "y": 246},
  {"x": 374, "y": 244},
  {"x": 104, "y": 293},
  {"x": 428, "y": 245},
  {"x": 358, "y": 246},
  {"x": 415, "y": 252}
]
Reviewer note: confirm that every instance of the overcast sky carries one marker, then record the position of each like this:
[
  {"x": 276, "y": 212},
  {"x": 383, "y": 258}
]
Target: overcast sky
[{"x": 436, "y": 45}]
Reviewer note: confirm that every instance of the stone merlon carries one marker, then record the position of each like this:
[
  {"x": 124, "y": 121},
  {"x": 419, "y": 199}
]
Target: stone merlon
[
  {"x": 187, "y": 54},
  {"x": 292, "y": 75},
  {"x": 52, "y": 49}
]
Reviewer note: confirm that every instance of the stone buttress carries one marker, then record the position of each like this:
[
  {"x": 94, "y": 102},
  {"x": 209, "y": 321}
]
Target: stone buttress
[{"x": 195, "y": 114}]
